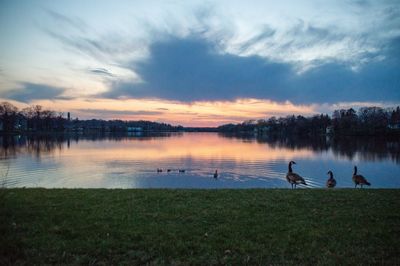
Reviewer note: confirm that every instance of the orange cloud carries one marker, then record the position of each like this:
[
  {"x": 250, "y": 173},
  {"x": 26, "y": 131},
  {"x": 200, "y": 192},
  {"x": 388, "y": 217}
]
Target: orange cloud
[{"x": 201, "y": 113}]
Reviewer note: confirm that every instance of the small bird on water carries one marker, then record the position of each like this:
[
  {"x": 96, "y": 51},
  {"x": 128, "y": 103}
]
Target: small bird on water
[
  {"x": 293, "y": 178},
  {"x": 159, "y": 170},
  {"x": 331, "y": 182},
  {"x": 359, "y": 179},
  {"x": 181, "y": 170}
]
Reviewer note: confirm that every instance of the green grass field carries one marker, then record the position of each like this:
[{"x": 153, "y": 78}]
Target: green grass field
[{"x": 180, "y": 227}]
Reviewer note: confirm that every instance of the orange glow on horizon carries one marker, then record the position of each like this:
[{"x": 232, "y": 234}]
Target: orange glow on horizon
[{"x": 200, "y": 113}]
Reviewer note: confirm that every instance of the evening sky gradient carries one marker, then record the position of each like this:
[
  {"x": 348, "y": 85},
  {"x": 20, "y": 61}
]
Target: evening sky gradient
[{"x": 196, "y": 62}]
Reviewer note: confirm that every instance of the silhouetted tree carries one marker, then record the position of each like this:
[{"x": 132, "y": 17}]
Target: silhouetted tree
[
  {"x": 8, "y": 115},
  {"x": 369, "y": 121},
  {"x": 373, "y": 119}
]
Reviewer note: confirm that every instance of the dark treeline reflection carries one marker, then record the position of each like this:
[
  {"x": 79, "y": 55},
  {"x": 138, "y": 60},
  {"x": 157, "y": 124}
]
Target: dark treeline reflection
[
  {"x": 34, "y": 144},
  {"x": 366, "y": 148}
]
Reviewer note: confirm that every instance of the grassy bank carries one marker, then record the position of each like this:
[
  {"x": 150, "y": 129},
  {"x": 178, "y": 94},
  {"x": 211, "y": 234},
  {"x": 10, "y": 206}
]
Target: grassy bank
[{"x": 200, "y": 226}]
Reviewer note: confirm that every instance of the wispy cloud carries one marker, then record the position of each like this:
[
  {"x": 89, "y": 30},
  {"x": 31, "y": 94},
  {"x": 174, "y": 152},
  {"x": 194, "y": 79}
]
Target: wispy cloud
[
  {"x": 101, "y": 71},
  {"x": 68, "y": 22},
  {"x": 85, "y": 45}
]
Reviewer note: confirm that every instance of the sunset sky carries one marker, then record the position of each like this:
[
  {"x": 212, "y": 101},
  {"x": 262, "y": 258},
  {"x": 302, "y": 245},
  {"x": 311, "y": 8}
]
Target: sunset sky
[{"x": 199, "y": 63}]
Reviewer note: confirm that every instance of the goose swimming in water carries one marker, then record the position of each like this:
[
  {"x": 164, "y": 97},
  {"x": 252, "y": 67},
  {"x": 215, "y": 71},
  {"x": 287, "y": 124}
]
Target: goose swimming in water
[
  {"x": 181, "y": 170},
  {"x": 216, "y": 174},
  {"x": 359, "y": 179},
  {"x": 293, "y": 178},
  {"x": 159, "y": 170},
  {"x": 331, "y": 182}
]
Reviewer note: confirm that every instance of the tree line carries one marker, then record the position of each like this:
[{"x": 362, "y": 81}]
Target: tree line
[
  {"x": 38, "y": 119},
  {"x": 367, "y": 121}
]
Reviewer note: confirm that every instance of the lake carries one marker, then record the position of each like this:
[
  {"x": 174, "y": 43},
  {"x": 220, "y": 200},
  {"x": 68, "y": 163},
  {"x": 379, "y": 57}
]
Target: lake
[{"x": 131, "y": 161}]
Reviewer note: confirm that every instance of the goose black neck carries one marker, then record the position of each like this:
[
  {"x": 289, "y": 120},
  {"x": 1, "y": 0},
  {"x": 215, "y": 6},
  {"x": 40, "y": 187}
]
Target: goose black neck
[
  {"x": 355, "y": 170},
  {"x": 290, "y": 167},
  {"x": 331, "y": 174}
]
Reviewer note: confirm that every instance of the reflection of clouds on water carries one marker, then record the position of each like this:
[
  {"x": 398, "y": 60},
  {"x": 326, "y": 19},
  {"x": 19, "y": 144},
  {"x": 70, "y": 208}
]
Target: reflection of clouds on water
[
  {"x": 350, "y": 148},
  {"x": 124, "y": 162}
]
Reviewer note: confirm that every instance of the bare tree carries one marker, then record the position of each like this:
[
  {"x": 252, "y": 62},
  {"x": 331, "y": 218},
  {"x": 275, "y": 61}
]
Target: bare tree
[{"x": 8, "y": 115}]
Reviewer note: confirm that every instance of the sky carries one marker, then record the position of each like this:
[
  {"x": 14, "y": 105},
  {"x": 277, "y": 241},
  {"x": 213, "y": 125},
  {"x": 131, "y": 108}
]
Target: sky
[{"x": 199, "y": 63}]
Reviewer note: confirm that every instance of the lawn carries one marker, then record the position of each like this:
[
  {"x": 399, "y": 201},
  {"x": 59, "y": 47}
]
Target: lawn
[{"x": 180, "y": 227}]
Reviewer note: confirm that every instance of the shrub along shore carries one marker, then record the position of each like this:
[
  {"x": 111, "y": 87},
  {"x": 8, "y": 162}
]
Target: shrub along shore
[{"x": 255, "y": 226}]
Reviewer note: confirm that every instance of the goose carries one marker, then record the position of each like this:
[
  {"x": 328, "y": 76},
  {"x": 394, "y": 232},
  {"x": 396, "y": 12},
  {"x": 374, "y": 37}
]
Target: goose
[
  {"x": 181, "y": 170},
  {"x": 359, "y": 179},
  {"x": 216, "y": 174},
  {"x": 331, "y": 182},
  {"x": 294, "y": 178},
  {"x": 168, "y": 170},
  {"x": 159, "y": 170}
]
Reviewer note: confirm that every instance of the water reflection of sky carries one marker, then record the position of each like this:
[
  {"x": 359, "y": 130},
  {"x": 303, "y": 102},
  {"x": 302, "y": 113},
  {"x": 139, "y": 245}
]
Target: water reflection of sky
[{"x": 241, "y": 163}]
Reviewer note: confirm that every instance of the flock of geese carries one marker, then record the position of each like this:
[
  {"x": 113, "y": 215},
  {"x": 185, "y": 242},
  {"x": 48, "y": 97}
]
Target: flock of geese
[
  {"x": 295, "y": 179},
  {"x": 159, "y": 170}
]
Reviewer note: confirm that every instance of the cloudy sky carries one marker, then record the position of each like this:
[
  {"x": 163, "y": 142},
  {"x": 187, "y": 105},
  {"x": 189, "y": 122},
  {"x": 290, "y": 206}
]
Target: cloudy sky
[{"x": 197, "y": 62}]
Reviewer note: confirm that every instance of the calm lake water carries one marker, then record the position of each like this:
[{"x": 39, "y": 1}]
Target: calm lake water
[{"x": 242, "y": 161}]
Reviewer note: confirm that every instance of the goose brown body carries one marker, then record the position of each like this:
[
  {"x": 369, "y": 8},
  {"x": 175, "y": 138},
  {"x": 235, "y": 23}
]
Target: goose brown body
[
  {"x": 331, "y": 182},
  {"x": 293, "y": 178},
  {"x": 359, "y": 179}
]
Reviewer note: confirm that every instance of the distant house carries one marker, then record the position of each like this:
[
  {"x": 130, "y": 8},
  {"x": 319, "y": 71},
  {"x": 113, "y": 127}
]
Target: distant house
[
  {"x": 329, "y": 130},
  {"x": 394, "y": 126},
  {"x": 134, "y": 129},
  {"x": 68, "y": 126},
  {"x": 264, "y": 129},
  {"x": 21, "y": 123}
]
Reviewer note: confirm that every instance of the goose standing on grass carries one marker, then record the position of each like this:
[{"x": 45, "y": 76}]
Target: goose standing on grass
[
  {"x": 331, "y": 183},
  {"x": 216, "y": 174},
  {"x": 294, "y": 178},
  {"x": 359, "y": 179}
]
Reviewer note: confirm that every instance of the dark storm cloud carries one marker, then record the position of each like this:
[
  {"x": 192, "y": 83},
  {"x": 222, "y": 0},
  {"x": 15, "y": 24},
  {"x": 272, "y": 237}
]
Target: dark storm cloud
[
  {"x": 32, "y": 91},
  {"x": 192, "y": 69}
]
